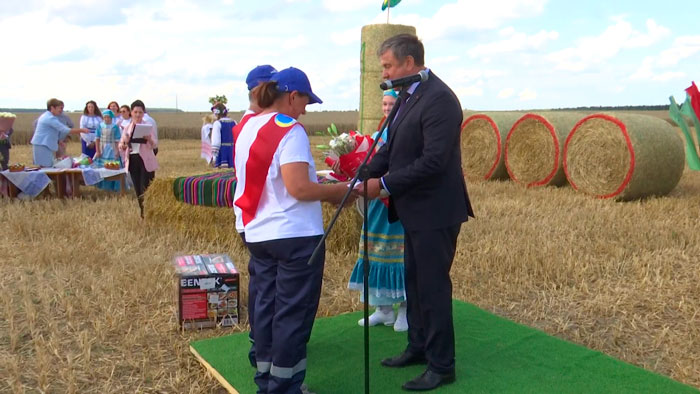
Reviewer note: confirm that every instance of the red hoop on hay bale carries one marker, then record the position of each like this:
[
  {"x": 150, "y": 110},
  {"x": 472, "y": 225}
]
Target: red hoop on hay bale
[
  {"x": 483, "y": 139},
  {"x": 623, "y": 156},
  {"x": 534, "y": 148}
]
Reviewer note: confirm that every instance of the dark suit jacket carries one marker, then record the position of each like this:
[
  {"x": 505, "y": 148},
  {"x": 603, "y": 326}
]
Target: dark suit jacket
[{"x": 422, "y": 160}]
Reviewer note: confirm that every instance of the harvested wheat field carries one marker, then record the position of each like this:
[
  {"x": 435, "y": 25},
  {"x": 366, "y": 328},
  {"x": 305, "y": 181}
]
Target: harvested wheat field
[{"x": 87, "y": 294}]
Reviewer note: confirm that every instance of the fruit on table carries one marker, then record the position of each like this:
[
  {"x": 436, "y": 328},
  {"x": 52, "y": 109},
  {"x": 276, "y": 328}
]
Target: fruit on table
[
  {"x": 17, "y": 167},
  {"x": 111, "y": 165}
]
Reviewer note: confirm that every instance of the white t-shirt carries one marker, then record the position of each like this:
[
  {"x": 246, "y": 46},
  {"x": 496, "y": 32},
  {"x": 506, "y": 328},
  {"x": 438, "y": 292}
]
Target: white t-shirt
[
  {"x": 123, "y": 124},
  {"x": 279, "y": 215},
  {"x": 237, "y": 211}
]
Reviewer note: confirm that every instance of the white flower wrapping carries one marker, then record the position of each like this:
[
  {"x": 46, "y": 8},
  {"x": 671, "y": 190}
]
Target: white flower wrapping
[{"x": 342, "y": 144}]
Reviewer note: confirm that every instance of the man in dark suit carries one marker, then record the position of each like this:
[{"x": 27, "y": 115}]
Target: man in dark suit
[{"x": 420, "y": 168}]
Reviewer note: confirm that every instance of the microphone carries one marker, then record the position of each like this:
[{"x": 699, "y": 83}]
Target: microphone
[{"x": 422, "y": 76}]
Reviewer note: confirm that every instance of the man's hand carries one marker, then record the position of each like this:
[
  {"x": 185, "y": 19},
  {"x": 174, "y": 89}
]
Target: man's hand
[{"x": 372, "y": 188}]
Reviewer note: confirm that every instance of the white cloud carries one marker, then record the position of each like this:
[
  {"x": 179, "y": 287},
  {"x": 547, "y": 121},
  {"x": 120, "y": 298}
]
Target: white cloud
[
  {"x": 506, "y": 93},
  {"x": 347, "y": 36},
  {"x": 349, "y": 5},
  {"x": 527, "y": 94},
  {"x": 443, "y": 60},
  {"x": 514, "y": 42},
  {"x": 663, "y": 67},
  {"x": 646, "y": 72},
  {"x": 295, "y": 42},
  {"x": 452, "y": 19},
  {"x": 595, "y": 50},
  {"x": 487, "y": 52},
  {"x": 463, "y": 75},
  {"x": 682, "y": 48},
  {"x": 469, "y": 91}
]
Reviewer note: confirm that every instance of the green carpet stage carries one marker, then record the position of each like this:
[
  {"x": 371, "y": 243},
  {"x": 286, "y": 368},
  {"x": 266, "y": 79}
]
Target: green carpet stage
[{"x": 494, "y": 355}]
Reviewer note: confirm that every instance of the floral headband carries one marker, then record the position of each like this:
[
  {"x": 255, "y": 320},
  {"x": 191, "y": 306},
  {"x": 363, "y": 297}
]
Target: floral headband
[{"x": 217, "y": 111}]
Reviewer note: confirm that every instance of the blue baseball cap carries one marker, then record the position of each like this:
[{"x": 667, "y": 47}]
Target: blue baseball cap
[
  {"x": 291, "y": 79},
  {"x": 259, "y": 74}
]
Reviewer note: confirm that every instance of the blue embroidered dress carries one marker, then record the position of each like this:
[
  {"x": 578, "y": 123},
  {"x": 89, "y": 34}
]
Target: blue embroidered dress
[
  {"x": 109, "y": 137},
  {"x": 386, "y": 249}
]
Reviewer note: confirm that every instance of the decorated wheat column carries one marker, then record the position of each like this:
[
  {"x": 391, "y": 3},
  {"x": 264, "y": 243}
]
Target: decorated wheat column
[{"x": 371, "y": 73}]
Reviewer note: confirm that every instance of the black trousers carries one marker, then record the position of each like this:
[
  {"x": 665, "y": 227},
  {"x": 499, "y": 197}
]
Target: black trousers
[
  {"x": 4, "y": 155},
  {"x": 139, "y": 177},
  {"x": 428, "y": 259}
]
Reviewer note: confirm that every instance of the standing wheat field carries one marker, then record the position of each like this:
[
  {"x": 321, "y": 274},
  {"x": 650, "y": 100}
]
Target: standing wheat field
[{"x": 87, "y": 292}]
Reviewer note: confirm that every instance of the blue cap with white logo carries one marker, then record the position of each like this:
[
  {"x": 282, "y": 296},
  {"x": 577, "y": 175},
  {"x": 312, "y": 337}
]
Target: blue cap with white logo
[{"x": 291, "y": 79}]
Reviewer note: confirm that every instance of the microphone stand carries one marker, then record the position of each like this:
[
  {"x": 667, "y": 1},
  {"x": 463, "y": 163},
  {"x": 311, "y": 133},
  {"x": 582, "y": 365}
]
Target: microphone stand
[{"x": 362, "y": 172}]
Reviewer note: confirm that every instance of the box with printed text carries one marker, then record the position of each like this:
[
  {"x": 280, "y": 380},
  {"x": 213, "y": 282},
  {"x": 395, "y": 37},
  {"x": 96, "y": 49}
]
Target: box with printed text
[{"x": 208, "y": 291}]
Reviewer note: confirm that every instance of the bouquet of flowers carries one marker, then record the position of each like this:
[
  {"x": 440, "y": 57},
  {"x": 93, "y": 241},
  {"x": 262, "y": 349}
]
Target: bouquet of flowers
[
  {"x": 7, "y": 119},
  {"x": 347, "y": 150}
]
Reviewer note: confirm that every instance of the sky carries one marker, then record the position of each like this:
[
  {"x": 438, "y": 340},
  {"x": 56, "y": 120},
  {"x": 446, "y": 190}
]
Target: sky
[{"x": 495, "y": 54}]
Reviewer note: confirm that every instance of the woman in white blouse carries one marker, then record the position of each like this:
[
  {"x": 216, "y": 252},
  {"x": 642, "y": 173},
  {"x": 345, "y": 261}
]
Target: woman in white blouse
[{"x": 91, "y": 119}]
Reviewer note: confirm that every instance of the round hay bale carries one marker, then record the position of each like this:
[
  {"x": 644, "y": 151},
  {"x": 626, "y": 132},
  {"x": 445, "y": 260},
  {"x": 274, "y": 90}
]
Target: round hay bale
[
  {"x": 535, "y": 146},
  {"x": 623, "y": 156},
  {"x": 217, "y": 225},
  {"x": 371, "y": 72},
  {"x": 483, "y": 139}
]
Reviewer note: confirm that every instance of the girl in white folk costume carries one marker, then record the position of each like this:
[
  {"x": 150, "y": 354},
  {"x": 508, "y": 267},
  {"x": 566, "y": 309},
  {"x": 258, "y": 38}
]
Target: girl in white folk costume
[
  {"x": 279, "y": 197},
  {"x": 207, "y": 122}
]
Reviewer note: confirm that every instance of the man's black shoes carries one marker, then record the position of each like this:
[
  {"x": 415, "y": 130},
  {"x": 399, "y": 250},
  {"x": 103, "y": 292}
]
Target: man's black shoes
[
  {"x": 428, "y": 380},
  {"x": 404, "y": 359}
]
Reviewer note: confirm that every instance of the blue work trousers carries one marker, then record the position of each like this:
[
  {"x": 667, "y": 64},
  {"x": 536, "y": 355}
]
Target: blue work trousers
[{"x": 287, "y": 294}]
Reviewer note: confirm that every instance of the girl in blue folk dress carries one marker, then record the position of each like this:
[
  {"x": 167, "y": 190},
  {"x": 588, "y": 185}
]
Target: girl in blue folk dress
[
  {"x": 107, "y": 136},
  {"x": 386, "y": 248}
]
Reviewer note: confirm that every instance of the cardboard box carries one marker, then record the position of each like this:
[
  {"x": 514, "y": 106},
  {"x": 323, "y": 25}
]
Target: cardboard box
[{"x": 208, "y": 291}]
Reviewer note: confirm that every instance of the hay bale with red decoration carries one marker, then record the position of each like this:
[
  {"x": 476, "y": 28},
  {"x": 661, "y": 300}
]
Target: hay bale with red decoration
[
  {"x": 624, "y": 156},
  {"x": 483, "y": 139},
  {"x": 535, "y": 146}
]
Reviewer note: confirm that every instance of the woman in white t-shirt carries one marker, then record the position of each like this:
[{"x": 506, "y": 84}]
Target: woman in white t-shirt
[
  {"x": 279, "y": 197},
  {"x": 125, "y": 115}
]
